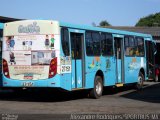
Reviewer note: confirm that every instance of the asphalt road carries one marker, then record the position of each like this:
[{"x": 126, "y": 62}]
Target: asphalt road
[{"x": 114, "y": 101}]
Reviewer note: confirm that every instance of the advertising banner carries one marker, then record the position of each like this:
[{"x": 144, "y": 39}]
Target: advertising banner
[{"x": 29, "y": 56}]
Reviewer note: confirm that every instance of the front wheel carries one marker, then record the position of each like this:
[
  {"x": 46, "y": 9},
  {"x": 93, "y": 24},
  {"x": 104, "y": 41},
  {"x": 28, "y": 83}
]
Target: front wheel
[
  {"x": 96, "y": 92},
  {"x": 139, "y": 84}
]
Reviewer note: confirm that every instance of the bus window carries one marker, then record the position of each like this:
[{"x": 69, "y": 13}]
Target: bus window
[
  {"x": 89, "y": 44},
  {"x": 1, "y": 33},
  {"x": 92, "y": 43},
  {"x": 96, "y": 43},
  {"x": 140, "y": 46},
  {"x": 76, "y": 48},
  {"x": 107, "y": 44},
  {"x": 130, "y": 47},
  {"x": 65, "y": 41}
]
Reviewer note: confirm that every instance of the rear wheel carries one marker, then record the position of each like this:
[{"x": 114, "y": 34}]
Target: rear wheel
[
  {"x": 156, "y": 78},
  {"x": 139, "y": 84},
  {"x": 96, "y": 92}
]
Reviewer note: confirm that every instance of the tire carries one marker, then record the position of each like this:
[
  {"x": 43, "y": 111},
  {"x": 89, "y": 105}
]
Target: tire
[
  {"x": 96, "y": 92},
  {"x": 156, "y": 78},
  {"x": 139, "y": 85}
]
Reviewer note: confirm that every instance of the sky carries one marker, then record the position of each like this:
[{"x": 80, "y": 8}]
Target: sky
[{"x": 87, "y": 12}]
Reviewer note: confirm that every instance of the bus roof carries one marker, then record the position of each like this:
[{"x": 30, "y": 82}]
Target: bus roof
[
  {"x": 85, "y": 27},
  {"x": 114, "y": 31}
]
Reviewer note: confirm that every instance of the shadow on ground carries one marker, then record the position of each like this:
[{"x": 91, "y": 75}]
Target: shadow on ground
[
  {"x": 42, "y": 95},
  {"x": 148, "y": 94},
  {"x": 52, "y": 95}
]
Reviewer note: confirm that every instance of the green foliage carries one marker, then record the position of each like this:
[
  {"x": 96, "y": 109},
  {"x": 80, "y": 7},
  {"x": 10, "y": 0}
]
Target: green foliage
[
  {"x": 104, "y": 23},
  {"x": 149, "y": 21}
]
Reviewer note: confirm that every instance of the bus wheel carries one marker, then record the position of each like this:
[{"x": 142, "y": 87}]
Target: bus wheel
[
  {"x": 96, "y": 92},
  {"x": 139, "y": 84},
  {"x": 156, "y": 78}
]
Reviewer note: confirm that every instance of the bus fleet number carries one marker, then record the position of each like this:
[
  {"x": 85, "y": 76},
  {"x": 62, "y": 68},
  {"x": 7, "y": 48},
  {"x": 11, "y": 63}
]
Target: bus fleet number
[{"x": 66, "y": 69}]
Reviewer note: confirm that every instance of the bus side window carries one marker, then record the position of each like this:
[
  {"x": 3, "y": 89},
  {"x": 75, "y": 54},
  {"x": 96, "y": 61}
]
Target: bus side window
[
  {"x": 89, "y": 43},
  {"x": 96, "y": 43},
  {"x": 65, "y": 41},
  {"x": 127, "y": 48},
  {"x": 140, "y": 46},
  {"x": 130, "y": 46},
  {"x": 106, "y": 44}
]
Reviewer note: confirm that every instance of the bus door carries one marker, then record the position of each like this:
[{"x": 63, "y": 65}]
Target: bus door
[
  {"x": 77, "y": 50},
  {"x": 150, "y": 62},
  {"x": 119, "y": 56}
]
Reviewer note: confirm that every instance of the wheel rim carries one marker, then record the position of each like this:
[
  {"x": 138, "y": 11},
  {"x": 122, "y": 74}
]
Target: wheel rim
[
  {"x": 156, "y": 78},
  {"x": 98, "y": 88},
  {"x": 140, "y": 82}
]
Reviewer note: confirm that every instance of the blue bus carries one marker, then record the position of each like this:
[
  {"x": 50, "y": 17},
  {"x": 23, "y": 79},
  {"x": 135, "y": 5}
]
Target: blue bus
[
  {"x": 1, "y": 35},
  {"x": 53, "y": 54}
]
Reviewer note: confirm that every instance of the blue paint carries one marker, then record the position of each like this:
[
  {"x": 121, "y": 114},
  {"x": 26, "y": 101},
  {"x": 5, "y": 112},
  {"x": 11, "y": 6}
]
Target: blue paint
[
  {"x": 73, "y": 76},
  {"x": 53, "y": 82},
  {"x": 65, "y": 80},
  {"x": 1, "y": 25}
]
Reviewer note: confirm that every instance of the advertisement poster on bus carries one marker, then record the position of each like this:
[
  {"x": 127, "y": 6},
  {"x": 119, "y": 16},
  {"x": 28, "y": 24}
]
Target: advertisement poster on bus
[
  {"x": 29, "y": 42},
  {"x": 29, "y": 57}
]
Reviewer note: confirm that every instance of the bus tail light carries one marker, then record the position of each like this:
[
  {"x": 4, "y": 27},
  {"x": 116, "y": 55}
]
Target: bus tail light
[
  {"x": 5, "y": 69},
  {"x": 53, "y": 68}
]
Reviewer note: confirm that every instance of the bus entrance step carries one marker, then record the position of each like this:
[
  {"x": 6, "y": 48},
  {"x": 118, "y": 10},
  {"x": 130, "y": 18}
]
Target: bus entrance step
[
  {"x": 74, "y": 89},
  {"x": 119, "y": 85}
]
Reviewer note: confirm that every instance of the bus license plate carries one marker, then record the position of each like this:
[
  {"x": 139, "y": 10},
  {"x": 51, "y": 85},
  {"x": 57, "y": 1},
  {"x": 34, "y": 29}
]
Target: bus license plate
[
  {"x": 28, "y": 84},
  {"x": 28, "y": 76}
]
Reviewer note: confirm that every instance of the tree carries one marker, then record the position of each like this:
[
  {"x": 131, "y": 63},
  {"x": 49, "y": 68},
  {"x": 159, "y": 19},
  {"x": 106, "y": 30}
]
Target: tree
[
  {"x": 104, "y": 23},
  {"x": 149, "y": 21}
]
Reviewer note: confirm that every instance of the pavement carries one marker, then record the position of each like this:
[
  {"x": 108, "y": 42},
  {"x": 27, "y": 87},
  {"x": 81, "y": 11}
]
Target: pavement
[{"x": 125, "y": 100}]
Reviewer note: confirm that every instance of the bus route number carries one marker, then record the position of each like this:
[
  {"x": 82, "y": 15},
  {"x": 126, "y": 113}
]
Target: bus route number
[{"x": 65, "y": 68}]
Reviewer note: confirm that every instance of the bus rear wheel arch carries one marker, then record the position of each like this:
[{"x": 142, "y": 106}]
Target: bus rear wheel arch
[{"x": 97, "y": 91}]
